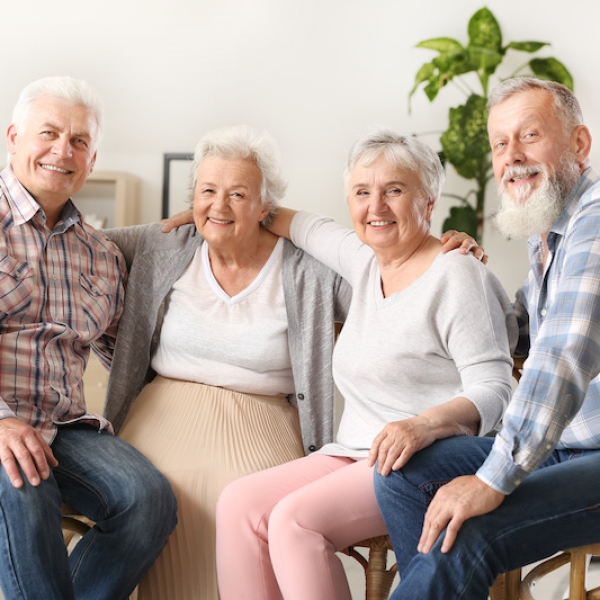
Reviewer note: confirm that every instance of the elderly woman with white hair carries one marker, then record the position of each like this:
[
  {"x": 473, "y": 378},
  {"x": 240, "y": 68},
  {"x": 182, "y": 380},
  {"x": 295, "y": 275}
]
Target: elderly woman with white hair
[
  {"x": 222, "y": 364},
  {"x": 423, "y": 355}
]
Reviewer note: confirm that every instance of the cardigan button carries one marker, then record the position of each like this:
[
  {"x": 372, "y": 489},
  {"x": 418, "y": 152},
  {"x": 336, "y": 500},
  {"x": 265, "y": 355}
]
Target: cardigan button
[
  {"x": 312, "y": 448},
  {"x": 300, "y": 396}
]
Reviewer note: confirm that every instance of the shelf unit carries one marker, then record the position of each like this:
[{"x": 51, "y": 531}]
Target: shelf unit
[{"x": 101, "y": 187}]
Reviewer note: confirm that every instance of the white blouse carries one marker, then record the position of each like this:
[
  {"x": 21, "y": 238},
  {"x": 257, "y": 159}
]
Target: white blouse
[{"x": 239, "y": 342}]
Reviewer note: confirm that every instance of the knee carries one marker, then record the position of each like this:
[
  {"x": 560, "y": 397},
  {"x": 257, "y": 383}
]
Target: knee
[
  {"x": 389, "y": 489},
  {"x": 243, "y": 507},
  {"x": 232, "y": 504},
  {"x": 150, "y": 501},
  {"x": 287, "y": 524}
]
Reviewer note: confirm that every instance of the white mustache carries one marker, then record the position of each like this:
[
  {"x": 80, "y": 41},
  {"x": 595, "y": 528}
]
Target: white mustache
[{"x": 522, "y": 171}]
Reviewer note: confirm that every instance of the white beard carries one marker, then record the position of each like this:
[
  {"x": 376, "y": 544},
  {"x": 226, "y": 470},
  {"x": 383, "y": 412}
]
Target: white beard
[{"x": 535, "y": 211}]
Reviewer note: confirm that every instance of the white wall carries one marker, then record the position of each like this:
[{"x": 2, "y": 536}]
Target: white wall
[{"x": 315, "y": 73}]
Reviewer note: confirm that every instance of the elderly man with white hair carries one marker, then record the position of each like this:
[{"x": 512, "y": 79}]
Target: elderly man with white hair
[{"x": 62, "y": 289}]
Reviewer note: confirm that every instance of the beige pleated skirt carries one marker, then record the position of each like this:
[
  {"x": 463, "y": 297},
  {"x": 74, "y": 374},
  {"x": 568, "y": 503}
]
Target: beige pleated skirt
[{"x": 201, "y": 438}]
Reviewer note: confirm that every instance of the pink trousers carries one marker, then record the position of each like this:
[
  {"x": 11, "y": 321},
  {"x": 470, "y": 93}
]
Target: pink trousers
[{"x": 278, "y": 530}]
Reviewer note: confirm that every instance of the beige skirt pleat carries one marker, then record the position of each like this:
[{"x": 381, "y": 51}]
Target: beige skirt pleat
[{"x": 201, "y": 438}]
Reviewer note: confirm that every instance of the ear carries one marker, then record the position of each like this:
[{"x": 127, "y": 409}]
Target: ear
[
  {"x": 265, "y": 210},
  {"x": 92, "y": 163},
  {"x": 581, "y": 143},
  {"x": 11, "y": 138},
  {"x": 430, "y": 207}
]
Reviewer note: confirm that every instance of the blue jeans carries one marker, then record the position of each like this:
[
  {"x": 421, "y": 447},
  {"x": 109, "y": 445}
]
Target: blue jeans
[
  {"x": 108, "y": 481},
  {"x": 556, "y": 507}
]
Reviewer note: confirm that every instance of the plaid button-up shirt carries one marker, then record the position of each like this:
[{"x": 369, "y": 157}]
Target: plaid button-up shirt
[
  {"x": 557, "y": 402},
  {"x": 60, "y": 290}
]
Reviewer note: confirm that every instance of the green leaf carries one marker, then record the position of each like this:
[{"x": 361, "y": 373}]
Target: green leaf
[
  {"x": 433, "y": 87},
  {"x": 482, "y": 58},
  {"x": 530, "y": 47},
  {"x": 462, "y": 218},
  {"x": 484, "y": 31},
  {"x": 424, "y": 74},
  {"x": 551, "y": 70},
  {"x": 442, "y": 45},
  {"x": 465, "y": 143},
  {"x": 451, "y": 65}
]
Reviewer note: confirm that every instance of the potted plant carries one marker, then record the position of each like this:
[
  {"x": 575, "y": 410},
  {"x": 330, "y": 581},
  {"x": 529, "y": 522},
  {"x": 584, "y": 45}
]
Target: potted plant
[{"x": 465, "y": 143}]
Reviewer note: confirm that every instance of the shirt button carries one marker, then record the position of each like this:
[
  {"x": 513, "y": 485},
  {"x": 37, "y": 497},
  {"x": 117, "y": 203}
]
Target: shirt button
[
  {"x": 543, "y": 312},
  {"x": 300, "y": 396}
]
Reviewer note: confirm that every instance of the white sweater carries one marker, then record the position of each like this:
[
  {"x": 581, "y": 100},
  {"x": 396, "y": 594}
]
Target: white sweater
[{"x": 443, "y": 336}]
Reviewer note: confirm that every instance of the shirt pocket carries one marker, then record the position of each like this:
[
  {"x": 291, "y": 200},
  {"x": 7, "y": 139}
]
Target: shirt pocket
[
  {"x": 16, "y": 286},
  {"x": 97, "y": 297}
]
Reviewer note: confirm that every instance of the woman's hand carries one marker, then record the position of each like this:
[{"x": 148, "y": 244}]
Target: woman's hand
[
  {"x": 465, "y": 244},
  {"x": 398, "y": 441},
  {"x": 173, "y": 222}
]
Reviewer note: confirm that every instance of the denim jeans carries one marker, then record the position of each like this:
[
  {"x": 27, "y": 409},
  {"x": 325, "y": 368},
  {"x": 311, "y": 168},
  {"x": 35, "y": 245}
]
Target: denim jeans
[
  {"x": 108, "y": 481},
  {"x": 556, "y": 507}
]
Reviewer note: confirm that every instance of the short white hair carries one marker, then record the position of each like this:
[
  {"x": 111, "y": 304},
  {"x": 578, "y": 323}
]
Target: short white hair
[
  {"x": 404, "y": 152},
  {"x": 242, "y": 142},
  {"x": 566, "y": 105},
  {"x": 75, "y": 91}
]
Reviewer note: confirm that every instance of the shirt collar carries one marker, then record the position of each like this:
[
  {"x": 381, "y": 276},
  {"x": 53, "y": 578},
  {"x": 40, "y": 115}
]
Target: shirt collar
[
  {"x": 588, "y": 178},
  {"x": 584, "y": 183},
  {"x": 24, "y": 207}
]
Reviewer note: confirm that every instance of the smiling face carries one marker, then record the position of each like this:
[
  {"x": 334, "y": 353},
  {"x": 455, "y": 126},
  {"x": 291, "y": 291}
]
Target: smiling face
[
  {"x": 528, "y": 141},
  {"x": 536, "y": 161},
  {"x": 388, "y": 206},
  {"x": 54, "y": 151},
  {"x": 227, "y": 205}
]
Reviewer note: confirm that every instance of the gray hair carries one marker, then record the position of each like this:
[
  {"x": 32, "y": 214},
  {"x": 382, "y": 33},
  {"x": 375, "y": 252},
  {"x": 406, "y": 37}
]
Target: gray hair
[
  {"x": 75, "y": 91},
  {"x": 566, "y": 104},
  {"x": 405, "y": 152},
  {"x": 243, "y": 142}
]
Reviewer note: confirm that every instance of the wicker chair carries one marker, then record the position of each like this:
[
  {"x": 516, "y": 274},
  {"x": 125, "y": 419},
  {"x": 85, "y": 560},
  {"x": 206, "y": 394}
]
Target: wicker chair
[
  {"x": 577, "y": 557},
  {"x": 379, "y": 579}
]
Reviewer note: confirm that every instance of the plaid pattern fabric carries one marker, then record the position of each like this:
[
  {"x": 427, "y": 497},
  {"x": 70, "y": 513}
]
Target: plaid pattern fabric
[
  {"x": 60, "y": 290},
  {"x": 557, "y": 402}
]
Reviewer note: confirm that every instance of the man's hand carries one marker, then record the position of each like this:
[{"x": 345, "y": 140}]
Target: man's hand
[
  {"x": 465, "y": 244},
  {"x": 398, "y": 441},
  {"x": 183, "y": 218},
  {"x": 454, "y": 503},
  {"x": 23, "y": 446}
]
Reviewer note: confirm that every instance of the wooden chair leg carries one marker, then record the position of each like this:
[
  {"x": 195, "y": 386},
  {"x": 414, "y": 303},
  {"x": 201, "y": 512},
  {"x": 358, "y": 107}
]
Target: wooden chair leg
[
  {"x": 506, "y": 586},
  {"x": 577, "y": 575}
]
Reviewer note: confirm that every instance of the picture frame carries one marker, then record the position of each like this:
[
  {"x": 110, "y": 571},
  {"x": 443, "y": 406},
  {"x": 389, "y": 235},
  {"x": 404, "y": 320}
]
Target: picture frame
[{"x": 176, "y": 180}]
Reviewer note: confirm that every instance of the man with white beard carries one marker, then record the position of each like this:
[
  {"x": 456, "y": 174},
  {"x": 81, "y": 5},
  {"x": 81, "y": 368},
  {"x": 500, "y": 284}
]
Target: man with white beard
[{"x": 466, "y": 508}]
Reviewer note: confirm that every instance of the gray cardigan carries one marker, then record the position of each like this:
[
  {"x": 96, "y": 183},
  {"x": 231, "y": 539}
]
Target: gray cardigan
[{"x": 315, "y": 297}]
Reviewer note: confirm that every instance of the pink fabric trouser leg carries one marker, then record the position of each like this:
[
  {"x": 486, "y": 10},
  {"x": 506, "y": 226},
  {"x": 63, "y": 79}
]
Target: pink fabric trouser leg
[{"x": 278, "y": 530}]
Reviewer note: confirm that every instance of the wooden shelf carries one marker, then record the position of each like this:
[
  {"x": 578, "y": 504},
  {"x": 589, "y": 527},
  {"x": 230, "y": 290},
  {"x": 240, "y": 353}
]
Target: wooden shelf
[{"x": 118, "y": 187}]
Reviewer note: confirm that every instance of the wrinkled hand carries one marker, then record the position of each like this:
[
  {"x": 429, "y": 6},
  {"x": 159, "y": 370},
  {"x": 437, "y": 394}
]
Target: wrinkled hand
[
  {"x": 465, "y": 243},
  {"x": 23, "y": 446},
  {"x": 398, "y": 441},
  {"x": 173, "y": 222},
  {"x": 454, "y": 503}
]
